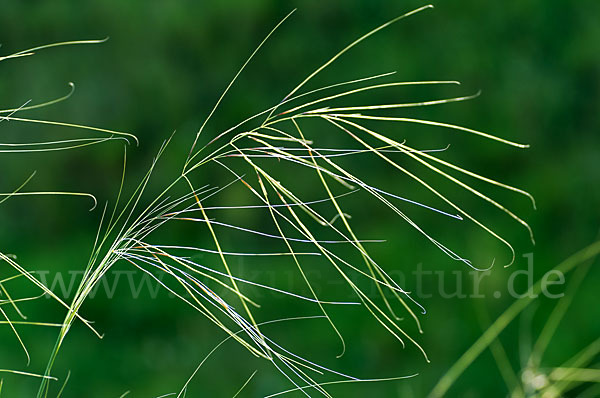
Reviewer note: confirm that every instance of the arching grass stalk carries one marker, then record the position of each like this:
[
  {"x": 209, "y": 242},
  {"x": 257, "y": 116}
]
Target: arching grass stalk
[{"x": 559, "y": 380}]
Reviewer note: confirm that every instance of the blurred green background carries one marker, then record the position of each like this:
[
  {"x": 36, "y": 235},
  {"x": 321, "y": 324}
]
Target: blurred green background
[{"x": 537, "y": 64}]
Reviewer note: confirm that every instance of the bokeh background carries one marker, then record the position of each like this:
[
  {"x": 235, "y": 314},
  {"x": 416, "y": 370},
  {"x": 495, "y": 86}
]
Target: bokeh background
[{"x": 536, "y": 63}]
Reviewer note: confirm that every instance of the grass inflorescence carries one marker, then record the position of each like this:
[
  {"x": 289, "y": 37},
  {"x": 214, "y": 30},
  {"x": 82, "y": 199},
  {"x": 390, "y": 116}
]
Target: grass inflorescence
[{"x": 262, "y": 154}]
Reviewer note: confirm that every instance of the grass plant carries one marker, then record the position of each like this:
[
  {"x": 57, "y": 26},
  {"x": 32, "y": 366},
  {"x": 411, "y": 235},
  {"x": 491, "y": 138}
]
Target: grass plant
[{"x": 272, "y": 155}]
